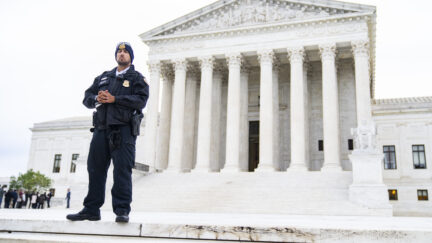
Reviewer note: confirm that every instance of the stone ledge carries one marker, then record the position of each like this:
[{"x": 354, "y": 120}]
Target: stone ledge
[{"x": 244, "y": 227}]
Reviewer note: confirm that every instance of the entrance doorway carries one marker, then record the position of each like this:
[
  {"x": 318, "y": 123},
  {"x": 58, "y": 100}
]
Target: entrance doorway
[{"x": 253, "y": 145}]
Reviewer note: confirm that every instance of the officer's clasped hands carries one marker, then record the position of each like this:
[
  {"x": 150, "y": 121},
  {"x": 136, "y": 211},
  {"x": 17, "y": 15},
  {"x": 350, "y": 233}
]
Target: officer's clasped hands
[{"x": 105, "y": 97}]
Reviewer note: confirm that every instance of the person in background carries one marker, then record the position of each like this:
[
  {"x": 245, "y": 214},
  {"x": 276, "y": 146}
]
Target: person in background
[
  {"x": 48, "y": 199},
  {"x": 8, "y": 198},
  {"x": 2, "y": 193},
  {"x": 14, "y": 198},
  {"x": 34, "y": 200},
  {"x": 68, "y": 197}
]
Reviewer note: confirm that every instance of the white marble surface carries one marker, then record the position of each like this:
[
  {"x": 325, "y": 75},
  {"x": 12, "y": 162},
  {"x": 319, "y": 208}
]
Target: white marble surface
[{"x": 247, "y": 227}]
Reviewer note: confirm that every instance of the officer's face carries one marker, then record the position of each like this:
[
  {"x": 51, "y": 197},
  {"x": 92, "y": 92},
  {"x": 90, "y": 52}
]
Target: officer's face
[{"x": 123, "y": 57}]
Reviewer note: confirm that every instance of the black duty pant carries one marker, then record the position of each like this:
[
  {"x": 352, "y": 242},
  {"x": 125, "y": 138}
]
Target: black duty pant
[{"x": 98, "y": 162}]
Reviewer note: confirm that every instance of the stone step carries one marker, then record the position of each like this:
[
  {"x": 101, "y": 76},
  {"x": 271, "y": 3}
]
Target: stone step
[{"x": 27, "y": 225}]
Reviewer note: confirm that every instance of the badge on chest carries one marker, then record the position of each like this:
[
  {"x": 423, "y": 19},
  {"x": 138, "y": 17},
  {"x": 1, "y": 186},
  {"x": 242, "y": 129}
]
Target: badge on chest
[{"x": 126, "y": 83}]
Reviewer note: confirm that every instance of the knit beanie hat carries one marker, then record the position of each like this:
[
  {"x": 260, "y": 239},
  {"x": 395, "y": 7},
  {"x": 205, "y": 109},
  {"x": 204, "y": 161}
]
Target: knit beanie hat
[{"x": 127, "y": 46}]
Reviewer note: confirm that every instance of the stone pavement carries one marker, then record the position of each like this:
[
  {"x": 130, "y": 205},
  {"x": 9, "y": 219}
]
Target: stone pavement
[{"x": 50, "y": 225}]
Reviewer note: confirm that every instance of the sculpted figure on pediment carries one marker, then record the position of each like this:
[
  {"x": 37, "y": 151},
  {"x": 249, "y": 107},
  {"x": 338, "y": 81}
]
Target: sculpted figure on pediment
[{"x": 250, "y": 12}]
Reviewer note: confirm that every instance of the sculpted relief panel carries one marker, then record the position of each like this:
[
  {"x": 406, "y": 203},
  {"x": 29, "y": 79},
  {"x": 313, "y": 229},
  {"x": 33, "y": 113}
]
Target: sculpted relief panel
[{"x": 252, "y": 12}]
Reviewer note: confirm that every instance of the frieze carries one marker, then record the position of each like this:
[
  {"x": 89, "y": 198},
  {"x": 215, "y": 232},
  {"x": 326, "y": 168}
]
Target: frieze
[{"x": 293, "y": 32}]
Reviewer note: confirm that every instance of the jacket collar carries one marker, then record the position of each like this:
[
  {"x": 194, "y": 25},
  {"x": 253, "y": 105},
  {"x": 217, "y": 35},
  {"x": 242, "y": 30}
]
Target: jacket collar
[{"x": 112, "y": 73}]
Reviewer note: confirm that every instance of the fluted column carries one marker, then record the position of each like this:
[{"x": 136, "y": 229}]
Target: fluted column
[
  {"x": 189, "y": 125},
  {"x": 232, "y": 161},
  {"x": 298, "y": 112},
  {"x": 266, "y": 153},
  {"x": 275, "y": 104},
  {"x": 244, "y": 119},
  {"x": 177, "y": 116},
  {"x": 215, "y": 145},
  {"x": 330, "y": 109},
  {"x": 150, "y": 131},
  {"x": 205, "y": 111},
  {"x": 362, "y": 77},
  {"x": 165, "y": 119}
]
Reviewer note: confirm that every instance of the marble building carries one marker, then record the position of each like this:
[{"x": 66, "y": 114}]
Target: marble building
[{"x": 272, "y": 97}]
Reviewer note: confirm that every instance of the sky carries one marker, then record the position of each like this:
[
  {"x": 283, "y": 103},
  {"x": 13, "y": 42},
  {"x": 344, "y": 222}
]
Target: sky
[{"x": 51, "y": 50}]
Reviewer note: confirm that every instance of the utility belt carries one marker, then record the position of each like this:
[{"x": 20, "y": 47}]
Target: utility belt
[{"x": 135, "y": 123}]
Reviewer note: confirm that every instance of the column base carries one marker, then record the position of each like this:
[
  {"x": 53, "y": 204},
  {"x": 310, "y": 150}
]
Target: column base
[
  {"x": 265, "y": 169},
  {"x": 331, "y": 168},
  {"x": 297, "y": 167}
]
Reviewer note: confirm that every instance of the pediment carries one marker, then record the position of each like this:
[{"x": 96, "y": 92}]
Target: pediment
[{"x": 244, "y": 13}]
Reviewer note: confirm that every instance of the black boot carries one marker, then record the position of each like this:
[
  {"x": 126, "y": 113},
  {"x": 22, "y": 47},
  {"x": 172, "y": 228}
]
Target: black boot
[
  {"x": 82, "y": 215},
  {"x": 122, "y": 218}
]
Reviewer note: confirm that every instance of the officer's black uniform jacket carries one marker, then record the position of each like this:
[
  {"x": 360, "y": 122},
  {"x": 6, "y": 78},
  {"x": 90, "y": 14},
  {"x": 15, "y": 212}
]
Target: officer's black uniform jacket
[{"x": 131, "y": 93}]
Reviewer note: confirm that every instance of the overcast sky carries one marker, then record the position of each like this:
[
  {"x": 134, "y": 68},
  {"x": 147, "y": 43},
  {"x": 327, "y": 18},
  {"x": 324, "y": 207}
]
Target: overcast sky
[{"x": 52, "y": 50}]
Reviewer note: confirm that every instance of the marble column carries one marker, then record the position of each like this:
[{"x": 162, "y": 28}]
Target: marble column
[
  {"x": 177, "y": 116},
  {"x": 298, "y": 110},
  {"x": 330, "y": 109},
  {"x": 362, "y": 76},
  {"x": 189, "y": 125},
  {"x": 244, "y": 118},
  {"x": 215, "y": 146},
  {"x": 165, "y": 118},
  {"x": 266, "y": 134},
  {"x": 233, "y": 131},
  {"x": 151, "y": 126},
  {"x": 276, "y": 135},
  {"x": 204, "y": 117}
]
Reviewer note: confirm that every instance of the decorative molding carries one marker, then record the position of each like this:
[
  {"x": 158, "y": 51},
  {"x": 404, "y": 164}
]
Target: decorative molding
[
  {"x": 234, "y": 59},
  {"x": 206, "y": 62},
  {"x": 392, "y": 101},
  {"x": 167, "y": 72},
  {"x": 296, "y": 54},
  {"x": 180, "y": 64},
  {"x": 154, "y": 66},
  {"x": 360, "y": 48},
  {"x": 328, "y": 51},
  {"x": 266, "y": 56},
  {"x": 193, "y": 71}
]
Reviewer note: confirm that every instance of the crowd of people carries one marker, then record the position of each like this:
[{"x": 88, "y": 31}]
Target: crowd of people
[{"x": 24, "y": 199}]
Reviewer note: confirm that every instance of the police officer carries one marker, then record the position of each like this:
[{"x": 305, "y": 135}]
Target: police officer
[{"x": 119, "y": 96}]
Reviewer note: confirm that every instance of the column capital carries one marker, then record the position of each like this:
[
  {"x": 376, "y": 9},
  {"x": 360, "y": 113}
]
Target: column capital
[
  {"x": 235, "y": 59},
  {"x": 154, "y": 65},
  {"x": 266, "y": 56},
  {"x": 360, "y": 48},
  {"x": 296, "y": 54},
  {"x": 276, "y": 64},
  {"x": 167, "y": 72},
  {"x": 328, "y": 51},
  {"x": 180, "y": 64},
  {"x": 206, "y": 61},
  {"x": 193, "y": 70}
]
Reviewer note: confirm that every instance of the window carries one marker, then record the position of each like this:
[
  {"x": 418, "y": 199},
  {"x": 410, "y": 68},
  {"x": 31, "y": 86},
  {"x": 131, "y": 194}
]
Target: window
[
  {"x": 422, "y": 195},
  {"x": 57, "y": 160},
  {"x": 350, "y": 144},
  {"x": 419, "y": 157},
  {"x": 320, "y": 145},
  {"x": 389, "y": 157},
  {"x": 393, "y": 194},
  {"x": 73, "y": 163}
]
